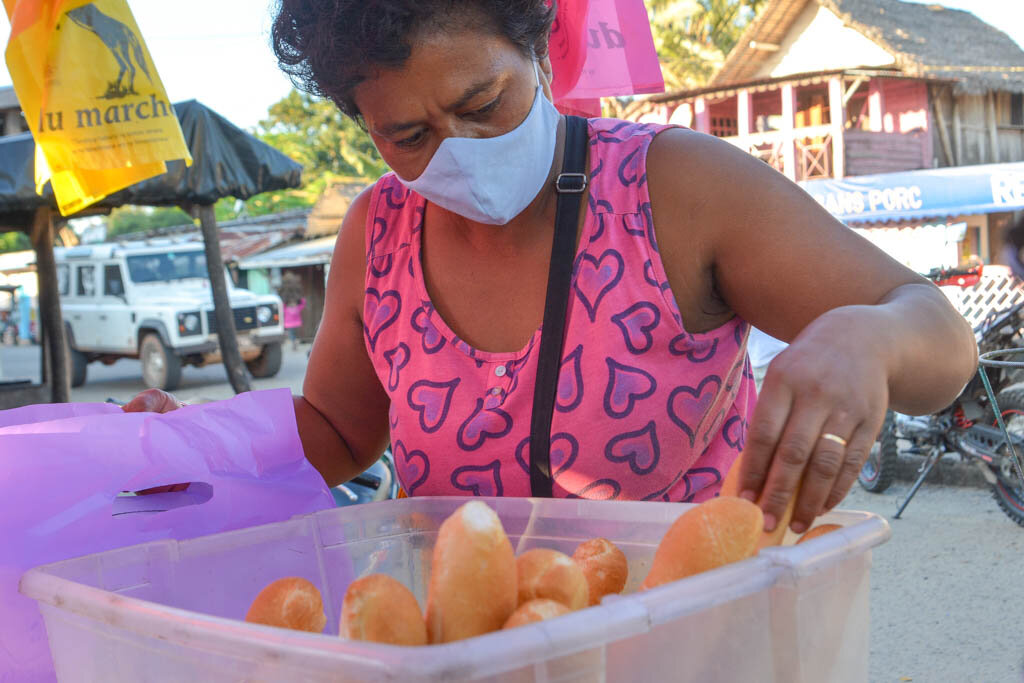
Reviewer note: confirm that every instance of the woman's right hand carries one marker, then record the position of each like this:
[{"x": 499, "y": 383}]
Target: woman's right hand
[{"x": 152, "y": 401}]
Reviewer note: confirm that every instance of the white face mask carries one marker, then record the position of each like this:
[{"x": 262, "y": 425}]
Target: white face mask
[{"x": 491, "y": 180}]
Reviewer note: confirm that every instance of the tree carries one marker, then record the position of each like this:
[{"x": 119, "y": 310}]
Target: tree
[
  {"x": 14, "y": 241},
  {"x": 330, "y": 146},
  {"x": 129, "y": 219},
  {"x": 315, "y": 133},
  {"x": 693, "y": 37}
]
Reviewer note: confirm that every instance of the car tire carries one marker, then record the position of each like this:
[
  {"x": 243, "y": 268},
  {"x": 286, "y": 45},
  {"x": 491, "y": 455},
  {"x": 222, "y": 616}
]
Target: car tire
[
  {"x": 78, "y": 366},
  {"x": 268, "y": 363},
  {"x": 161, "y": 368}
]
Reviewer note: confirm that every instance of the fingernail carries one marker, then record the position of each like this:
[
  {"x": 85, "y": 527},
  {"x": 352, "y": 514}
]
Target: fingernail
[
  {"x": 798, "y": 527},
  {"x": 769, "y": 522},
  {"x": 749, "y": 495}
]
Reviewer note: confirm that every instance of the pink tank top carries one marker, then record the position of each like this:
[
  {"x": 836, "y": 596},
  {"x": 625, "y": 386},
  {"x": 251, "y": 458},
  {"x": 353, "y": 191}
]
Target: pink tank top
[{"x": 644, "y": 409}]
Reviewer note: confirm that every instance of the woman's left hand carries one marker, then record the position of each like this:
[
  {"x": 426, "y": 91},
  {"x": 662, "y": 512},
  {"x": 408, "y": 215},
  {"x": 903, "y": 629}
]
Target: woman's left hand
[{"x": 821, "y": 406}]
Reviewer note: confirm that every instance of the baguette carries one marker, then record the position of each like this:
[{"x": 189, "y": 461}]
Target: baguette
[
  {"x": 380, "y": 609},
  {"x": 730, "y": 487},
  {"x": 544, "y": 573},
  {"x": 532, "y": 611},
  {"x": 715, "y": 533},
  {"x": 473, "y": 578},
  {"x": 291, "y": 602},
  {"x": 604, "y": 566}
]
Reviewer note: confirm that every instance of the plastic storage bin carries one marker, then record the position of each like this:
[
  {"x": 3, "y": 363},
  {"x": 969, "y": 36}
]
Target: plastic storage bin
[{"x": 170, "y": 611}]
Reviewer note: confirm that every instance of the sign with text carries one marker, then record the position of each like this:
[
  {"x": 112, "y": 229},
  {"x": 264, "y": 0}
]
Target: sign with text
[
  {"x": 603, "y": 48},
  {"x": 91, "y": 96},
  {"x": 919, "y": 194}
]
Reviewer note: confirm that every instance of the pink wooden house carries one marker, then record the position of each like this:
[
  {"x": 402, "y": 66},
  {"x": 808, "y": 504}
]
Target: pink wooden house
[
  {"x": 853, "y": 96},
  {"x": 834, "y": 88}
]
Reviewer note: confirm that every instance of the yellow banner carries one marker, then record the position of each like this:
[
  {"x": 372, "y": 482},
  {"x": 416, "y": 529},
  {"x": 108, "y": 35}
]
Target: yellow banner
[{"x": 92, "y": 97}]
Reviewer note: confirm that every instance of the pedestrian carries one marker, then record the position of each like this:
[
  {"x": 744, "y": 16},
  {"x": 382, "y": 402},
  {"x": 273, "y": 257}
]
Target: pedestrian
[
  {"x": 1013, "y": 247},
  {"x": 432, "y": 329},
  {"x": 293, "y": 319}
]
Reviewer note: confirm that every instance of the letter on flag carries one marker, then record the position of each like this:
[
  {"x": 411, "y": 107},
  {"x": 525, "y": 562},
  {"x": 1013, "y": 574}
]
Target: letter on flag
[{"x": 92, "y": 97}]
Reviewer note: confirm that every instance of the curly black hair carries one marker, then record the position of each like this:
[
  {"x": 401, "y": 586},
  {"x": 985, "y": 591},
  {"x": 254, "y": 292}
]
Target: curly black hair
[{"x": 328, "y": 46}]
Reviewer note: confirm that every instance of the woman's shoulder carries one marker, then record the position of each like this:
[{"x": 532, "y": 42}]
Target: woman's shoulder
[{"x": 619, "y": 131}]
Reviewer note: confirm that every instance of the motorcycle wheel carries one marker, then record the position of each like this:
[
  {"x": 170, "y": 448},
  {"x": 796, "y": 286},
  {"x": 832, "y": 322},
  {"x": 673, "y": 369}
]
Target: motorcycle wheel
[
  {"x": 1008, "y": 489},
  {"x": 880, "y": 467}
]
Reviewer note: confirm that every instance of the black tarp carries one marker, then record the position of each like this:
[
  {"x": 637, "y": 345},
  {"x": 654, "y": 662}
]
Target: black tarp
[{"x": 226, "y": 162}]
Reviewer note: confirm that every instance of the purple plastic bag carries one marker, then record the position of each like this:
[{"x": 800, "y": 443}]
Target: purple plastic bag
[{"x": 62, "y": 467}]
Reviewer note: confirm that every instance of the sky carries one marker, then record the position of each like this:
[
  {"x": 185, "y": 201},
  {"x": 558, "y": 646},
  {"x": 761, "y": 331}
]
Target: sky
[{"x": 218, "y": 51}]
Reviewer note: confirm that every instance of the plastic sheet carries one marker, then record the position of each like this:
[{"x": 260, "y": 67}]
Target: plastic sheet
[{"x": 62, "y": 468}]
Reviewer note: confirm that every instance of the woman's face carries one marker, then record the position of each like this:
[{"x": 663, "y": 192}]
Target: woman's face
[{"x": 466, "y": 84}]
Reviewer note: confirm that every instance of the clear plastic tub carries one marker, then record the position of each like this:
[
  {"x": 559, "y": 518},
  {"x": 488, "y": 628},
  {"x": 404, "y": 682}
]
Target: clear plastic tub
[{"x": 169, "y": 611}]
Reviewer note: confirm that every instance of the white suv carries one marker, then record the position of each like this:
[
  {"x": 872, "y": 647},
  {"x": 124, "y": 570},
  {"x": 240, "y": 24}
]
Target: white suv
[{"x": 153, "y": 301}]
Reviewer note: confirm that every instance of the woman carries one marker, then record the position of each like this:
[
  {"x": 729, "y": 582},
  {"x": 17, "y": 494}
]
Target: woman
[
  {"x": 437, "y": 286},
  {"x": 293, "y": 319}
]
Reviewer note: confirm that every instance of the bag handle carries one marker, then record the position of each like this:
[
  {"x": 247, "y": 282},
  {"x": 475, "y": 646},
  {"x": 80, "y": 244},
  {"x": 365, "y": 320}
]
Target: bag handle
[{"x": 570, "y": 185}]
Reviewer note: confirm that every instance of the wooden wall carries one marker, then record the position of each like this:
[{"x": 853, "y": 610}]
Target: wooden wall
[
  {"x": 906, "y": 111},
  {"x": 869, "y": 152},
  {"x": 969, "y": 122}
]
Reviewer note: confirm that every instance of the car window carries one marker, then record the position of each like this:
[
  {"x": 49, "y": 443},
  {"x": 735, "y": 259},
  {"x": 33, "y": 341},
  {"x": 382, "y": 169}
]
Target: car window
[
  {"x": 113, "y": 285},
  {"x": 86, "y": 280},
  {"x": 167, "y": 266},
  {"x": 64, "y": 279}
]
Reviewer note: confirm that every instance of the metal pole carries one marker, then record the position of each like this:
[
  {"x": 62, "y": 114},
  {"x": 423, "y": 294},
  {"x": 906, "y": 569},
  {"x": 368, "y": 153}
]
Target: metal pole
[
  {"x": 50, "y": 318},
  {"x": 226, "y": 334}
]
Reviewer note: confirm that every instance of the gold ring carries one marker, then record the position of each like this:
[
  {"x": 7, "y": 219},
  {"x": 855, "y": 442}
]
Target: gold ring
[{"x": 838, "y": 439}]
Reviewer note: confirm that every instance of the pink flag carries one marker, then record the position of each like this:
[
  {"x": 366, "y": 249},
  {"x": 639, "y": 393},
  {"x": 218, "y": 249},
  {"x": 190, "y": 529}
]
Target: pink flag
[{"x": 602, "y": 48}]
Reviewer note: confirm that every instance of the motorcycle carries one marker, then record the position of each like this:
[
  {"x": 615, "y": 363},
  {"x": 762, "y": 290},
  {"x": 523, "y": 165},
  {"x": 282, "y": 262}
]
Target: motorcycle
[
  {"x": 377, "y": 483},
  {"x": 967, "y": 427}
]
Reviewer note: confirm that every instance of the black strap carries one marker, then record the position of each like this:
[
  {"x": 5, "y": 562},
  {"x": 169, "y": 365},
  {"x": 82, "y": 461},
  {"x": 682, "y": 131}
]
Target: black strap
[{"x": 570, "y": 186}]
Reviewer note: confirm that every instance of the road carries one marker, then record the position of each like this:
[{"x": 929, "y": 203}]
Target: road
[
  {"x": 123, "y": 379},
  {"x": 946, "y": 591}
]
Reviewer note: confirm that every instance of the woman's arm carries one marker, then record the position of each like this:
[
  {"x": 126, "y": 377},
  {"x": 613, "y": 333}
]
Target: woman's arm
[
  {"x": 343, "y": 412},
  {"x": 342, "y": 416},
  {"x": 865, "y": 331}
]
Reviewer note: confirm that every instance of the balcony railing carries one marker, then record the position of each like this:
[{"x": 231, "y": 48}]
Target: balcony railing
[{"x": 813, "y": 150}]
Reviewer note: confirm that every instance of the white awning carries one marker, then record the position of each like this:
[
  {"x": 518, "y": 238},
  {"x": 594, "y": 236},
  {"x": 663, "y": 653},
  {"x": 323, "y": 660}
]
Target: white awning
[{"x": 311, "y": 253}]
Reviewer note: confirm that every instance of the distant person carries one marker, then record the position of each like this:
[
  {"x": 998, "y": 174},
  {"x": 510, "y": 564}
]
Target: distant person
[
  {"x": 293, "y": 320},
  {"x": 1013, "y": 246}
]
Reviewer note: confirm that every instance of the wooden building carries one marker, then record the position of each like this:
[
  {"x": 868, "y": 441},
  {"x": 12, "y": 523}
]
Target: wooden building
[
  {"x": 12, "y": 121},
  {"x": 828, "y": 89}
]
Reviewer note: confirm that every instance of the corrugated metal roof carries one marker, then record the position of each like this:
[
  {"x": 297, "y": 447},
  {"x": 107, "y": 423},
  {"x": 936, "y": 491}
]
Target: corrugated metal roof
[{"x": 236, "y": 246}]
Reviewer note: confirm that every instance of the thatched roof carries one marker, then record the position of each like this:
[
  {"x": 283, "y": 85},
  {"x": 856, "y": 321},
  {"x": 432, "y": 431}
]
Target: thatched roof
[
  {"x": 930, "y": 41},
  {"x": 8, "y": 100},
  {"x": 330, "y": 209}
]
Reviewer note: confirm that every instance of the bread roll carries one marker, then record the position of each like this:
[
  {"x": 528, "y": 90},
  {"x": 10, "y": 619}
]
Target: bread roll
[
  {"x": 550, "y": 574},
  {"x": 820, "y": 530},
  {"x": 730, "y": 487},
  {"x": 291, "y": 602},
  {"x": 604, "y": 566},
  {"x": 538, "y": 609},
  {"x": 380, "y": 609},
  {"x": 473, "y": 576},
  {"x": 715, "y": 533}
]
